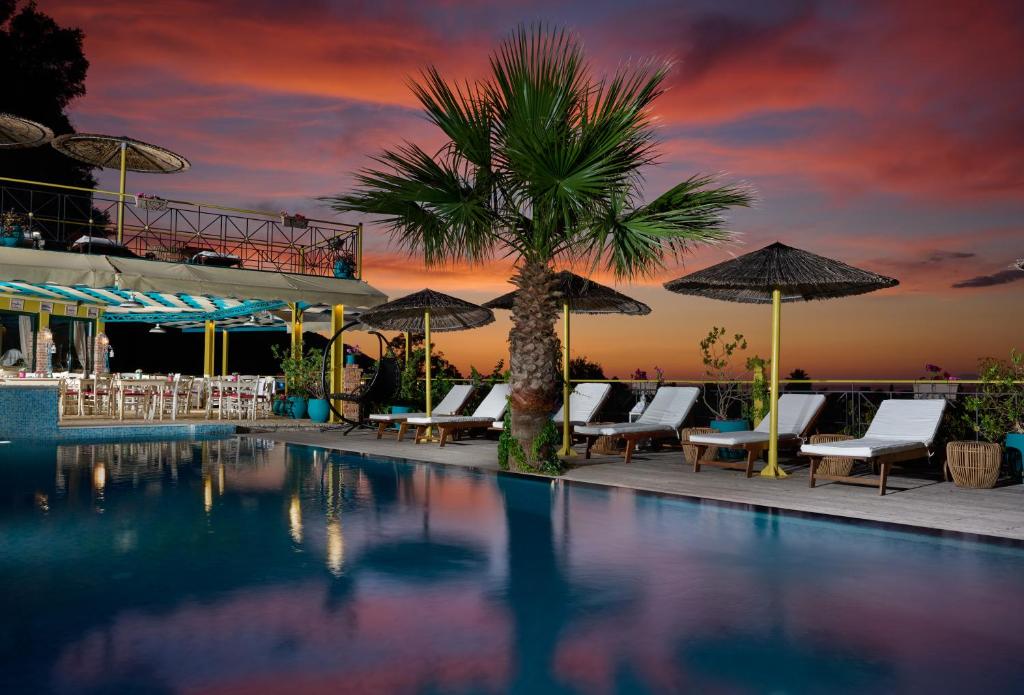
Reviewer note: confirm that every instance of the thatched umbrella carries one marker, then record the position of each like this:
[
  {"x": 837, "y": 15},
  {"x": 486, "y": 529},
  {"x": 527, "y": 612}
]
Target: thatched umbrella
[
  {"x": 17, "y": 132},
  {"x": 122, "y": 153},
  {"x": 1019, "y": 264},
  {"x": 579, "y": 295},
  {"x": 423, "y": 312},
  {"x": 778, "y": 273}
]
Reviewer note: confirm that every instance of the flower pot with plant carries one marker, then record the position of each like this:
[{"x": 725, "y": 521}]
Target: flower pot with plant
[
  {"x": 718, "y": 353},
  {"x": 301, "y": 377},
  {"x": 345, "y": 265},
  {"x": 996, "y": 412},
  {"x": 12, "y": 228}
]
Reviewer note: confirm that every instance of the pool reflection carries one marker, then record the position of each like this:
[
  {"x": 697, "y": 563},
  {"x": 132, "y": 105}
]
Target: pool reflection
[{"x": 242, "y": 566}]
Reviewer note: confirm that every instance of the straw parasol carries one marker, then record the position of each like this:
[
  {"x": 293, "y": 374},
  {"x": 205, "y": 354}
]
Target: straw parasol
[
  {"x": 17, "y": 132},
  {"x": 1019, "y": 264},
  {"x": 426, "y": 311},
  {"x": 579, "y": 295},
  {"x": 122, "y": 153},
  {"x": 775, "y": 274}
]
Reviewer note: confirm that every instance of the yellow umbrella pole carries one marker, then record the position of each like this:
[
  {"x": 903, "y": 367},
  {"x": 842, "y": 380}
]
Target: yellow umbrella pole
[
  {"x": 406, "y": 333},
  {"x": 426, "y": 349},
  {"x": 120, "y": 197},
  {"x": 566, "y": 449},
  {"x": 772, "y": 470}
]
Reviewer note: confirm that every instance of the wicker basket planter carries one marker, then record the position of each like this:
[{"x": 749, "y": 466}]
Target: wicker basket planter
[
  {"x": 151, "y": 203},
  {"x": 690, "y": 451},
  {"x": 974, "y": 464},
  {"x": 832, "y": 465}
]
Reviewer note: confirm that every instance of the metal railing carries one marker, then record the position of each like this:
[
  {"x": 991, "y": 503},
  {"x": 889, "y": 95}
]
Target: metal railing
[{"x": 177, "y": 230}]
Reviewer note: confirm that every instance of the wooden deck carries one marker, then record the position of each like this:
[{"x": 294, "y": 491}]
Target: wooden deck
[{"x": 924, "y": 503}]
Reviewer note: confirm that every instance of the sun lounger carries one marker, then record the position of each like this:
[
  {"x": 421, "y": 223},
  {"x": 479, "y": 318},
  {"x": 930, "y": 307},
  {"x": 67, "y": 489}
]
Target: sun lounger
[
  {"x": 492, "y": 408},
  {"x": 584, "y": 403},
  {"x": 902, "y": 430},
  {"x": 797, "y": 413},
  {"x": 451, "y": 404},
  {"x": 663, "y": 418}
]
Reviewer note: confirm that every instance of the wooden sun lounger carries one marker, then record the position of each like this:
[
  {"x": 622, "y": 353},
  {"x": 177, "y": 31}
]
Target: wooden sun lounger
[
  {"x": 902, "y": 430},
  {"x": 796, "y": 411}
]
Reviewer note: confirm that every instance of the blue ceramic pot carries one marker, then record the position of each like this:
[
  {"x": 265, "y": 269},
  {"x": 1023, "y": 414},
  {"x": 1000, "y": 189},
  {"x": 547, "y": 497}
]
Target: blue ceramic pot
[
  {"x": 1015, "y": 452},
  {"x": 395, "y": 409},
  {"x": 8, "y": 241},
  {"x": 342, "y": 270},
  {"x": 350, "y": 359},
  {"x": 319, "y": 409},
  {"x": 297, "y": 407},
  {"x": 730, "y": 426},
  {"x": 278, "y": 406}
]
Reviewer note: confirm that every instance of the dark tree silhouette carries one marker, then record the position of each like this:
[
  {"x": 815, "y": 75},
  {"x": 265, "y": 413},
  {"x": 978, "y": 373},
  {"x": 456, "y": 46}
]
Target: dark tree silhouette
[
  {"x": 44, "y": 72},
  {"x": 798, "y": 374}
]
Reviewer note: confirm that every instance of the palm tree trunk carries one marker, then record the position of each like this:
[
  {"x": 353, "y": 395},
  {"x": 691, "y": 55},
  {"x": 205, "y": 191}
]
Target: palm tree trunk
[{"x": 533, "y": 348}]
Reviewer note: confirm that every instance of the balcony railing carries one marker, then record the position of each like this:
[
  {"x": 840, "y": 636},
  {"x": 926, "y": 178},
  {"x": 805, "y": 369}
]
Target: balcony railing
[{"x": 177, "y": 230}]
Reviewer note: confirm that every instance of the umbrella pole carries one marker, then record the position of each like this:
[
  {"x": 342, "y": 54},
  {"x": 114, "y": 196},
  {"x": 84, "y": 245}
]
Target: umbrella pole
[
  {"x": 120, "y": 197},
  {"x": 772, "y": 470},
  {"x": 426, "y": 350},
  {"x": 566, "y": 449},
  {"x": 406, "y": 333}
]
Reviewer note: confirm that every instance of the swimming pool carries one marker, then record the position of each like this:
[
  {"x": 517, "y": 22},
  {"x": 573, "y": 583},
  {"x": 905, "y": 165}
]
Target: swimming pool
[{"x": 240, "y": 566}]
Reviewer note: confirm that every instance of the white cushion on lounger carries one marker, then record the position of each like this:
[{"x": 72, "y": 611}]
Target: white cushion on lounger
[
  {"x": 909, "y": 420},
  {"x": 451, "y": 403},
  {"x": 490, "y": 409},
  {"x": 899, "y": 425},
  {"x": 730, "y": 438},
  {"x": 796, "y": 410},
  {"x": 795, "y": 414},
  {"x": 866, "y": 447},
  {"x": 620, "y": 428},
  {"x": 394, "y": 417},
  {"x": 584, "y": 402},
  {"x": 665, "y": 413}
]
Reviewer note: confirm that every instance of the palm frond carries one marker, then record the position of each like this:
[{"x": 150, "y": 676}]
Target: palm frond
[{"x": 635, "y": 242}]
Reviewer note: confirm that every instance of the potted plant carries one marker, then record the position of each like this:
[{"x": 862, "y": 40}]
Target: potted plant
[
  {"x": 12, "y": 227},
  {"x": 147, "y": 201},
  {"x": 717, "y": 353},
  {"x": 996, "y": 412},
  {"x": 296, "y": 221},
  {"x": 319, "y": 408},
  {"x": 345, "y": 265},
  {"x": 301, "y": 374}
]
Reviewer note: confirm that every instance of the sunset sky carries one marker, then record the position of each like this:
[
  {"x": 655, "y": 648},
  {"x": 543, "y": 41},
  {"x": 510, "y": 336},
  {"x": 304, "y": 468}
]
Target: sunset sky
[{"x": 888, "y": 134}]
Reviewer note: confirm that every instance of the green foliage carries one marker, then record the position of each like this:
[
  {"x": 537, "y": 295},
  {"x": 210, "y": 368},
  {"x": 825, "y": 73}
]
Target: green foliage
[
  {"x": 717, "y": 352},
  {"x": 544, "y": 448},
  {"x": 412, "y": 389},
  {"x": 759, "y": 403},
  {"x": 998, "y": 408},
  {"x": 301, "y": 373}
]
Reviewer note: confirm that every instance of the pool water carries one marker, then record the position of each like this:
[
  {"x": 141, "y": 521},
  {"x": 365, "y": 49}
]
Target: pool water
[{"x": 241, "y": 566}]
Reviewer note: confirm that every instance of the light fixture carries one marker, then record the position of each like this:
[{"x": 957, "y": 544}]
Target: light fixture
[
  {"x": 251, "y": 321},
  {"x": 157, "y": 329},
  {"x": 131, "y": 302}
]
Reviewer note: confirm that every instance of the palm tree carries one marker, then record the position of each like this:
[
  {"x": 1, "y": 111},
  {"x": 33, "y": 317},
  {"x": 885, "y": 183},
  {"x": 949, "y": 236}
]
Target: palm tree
[{"x": 542, "y": 163}]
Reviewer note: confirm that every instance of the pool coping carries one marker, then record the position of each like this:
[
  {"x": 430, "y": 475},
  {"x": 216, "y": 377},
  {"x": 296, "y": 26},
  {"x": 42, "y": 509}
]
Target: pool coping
[{"x": 929, "y": 531}]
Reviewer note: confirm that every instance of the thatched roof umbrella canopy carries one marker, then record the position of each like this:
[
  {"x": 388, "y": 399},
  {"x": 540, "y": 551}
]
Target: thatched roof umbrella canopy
[
  {"x": 123, "y": 153},
  {"x": 799, "y": 276},
  {"x": 426, "y": 311},
  {"x": 1019, "y": 264},
  {"x": 584, "y": 296},
  {"x": 775, "y": 274},
  {"x": 579, "y": 295},
  {"x": 17, "y": 132}
]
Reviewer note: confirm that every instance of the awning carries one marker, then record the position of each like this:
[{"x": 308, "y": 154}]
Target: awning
[{"x": 170, "y": 292}]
